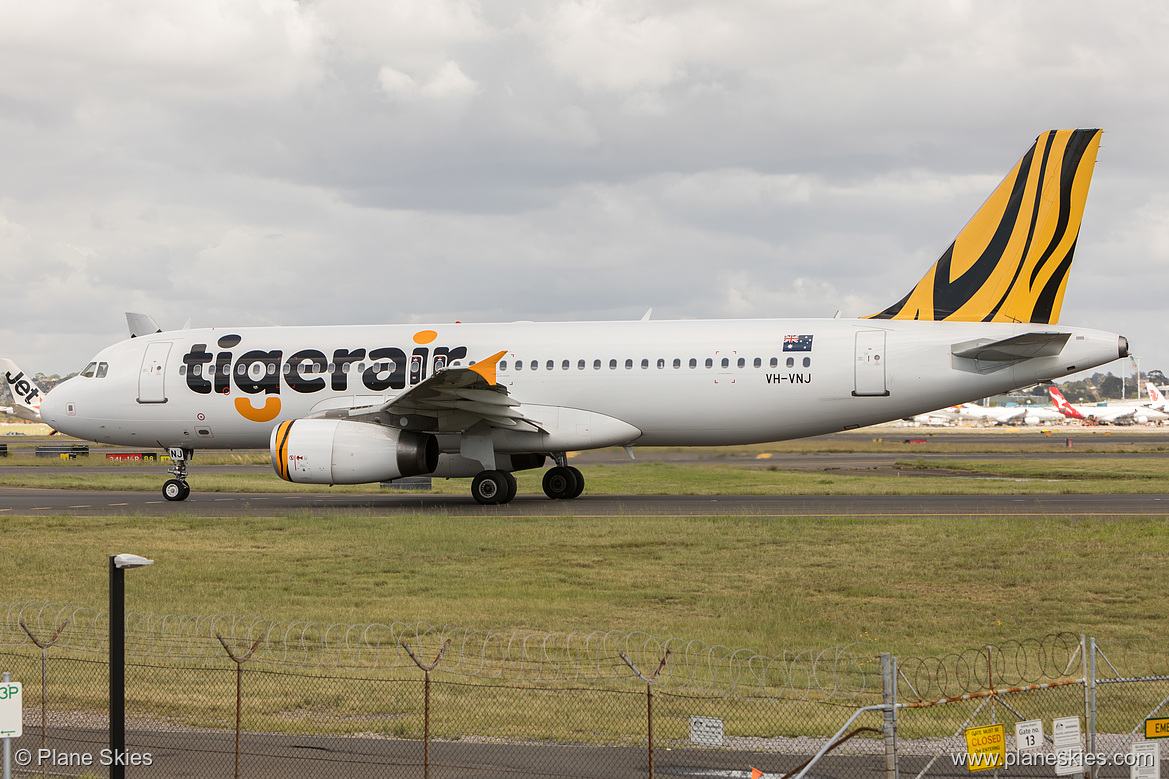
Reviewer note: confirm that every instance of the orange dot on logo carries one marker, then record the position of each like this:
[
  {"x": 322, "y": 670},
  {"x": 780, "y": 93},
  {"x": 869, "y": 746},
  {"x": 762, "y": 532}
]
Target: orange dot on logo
[{"x": 425, "y": 336}]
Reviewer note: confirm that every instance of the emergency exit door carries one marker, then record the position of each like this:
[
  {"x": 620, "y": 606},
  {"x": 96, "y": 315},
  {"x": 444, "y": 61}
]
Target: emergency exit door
[{"x": 869, "y": 370}]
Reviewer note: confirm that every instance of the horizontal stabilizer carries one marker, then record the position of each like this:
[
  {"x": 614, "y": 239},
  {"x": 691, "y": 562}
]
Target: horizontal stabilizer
[{"x": 1021, "y": 347}]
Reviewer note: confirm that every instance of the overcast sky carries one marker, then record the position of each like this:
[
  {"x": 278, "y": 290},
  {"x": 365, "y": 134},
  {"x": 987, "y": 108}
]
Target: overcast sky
[{"x": 366, "y": 161}]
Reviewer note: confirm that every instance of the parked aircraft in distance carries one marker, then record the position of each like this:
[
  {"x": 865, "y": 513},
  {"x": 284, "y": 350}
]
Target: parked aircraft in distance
[
  {"x": 1157, "y": 398},
  {"x": 358, "y": 404},
  {"x": 1007, "y": 415},
  {"x": 1120, "y": 413},
  {"x": 26, "y": 393}
]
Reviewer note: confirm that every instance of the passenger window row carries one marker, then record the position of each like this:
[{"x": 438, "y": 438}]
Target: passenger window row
[
  {"x": 725, "y": 362},
  {"x": 305, "y": 369}
]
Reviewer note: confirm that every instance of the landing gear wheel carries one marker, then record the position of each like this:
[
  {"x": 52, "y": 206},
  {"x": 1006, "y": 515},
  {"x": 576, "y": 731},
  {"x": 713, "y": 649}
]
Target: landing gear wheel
[
  {"x": 491, "y": 488},
  {"x": 579, "y": 483},
  {"x": 563, "y": 483},
  {"x": 176, "y": 490},
  {"x": 512, "y": 487}
]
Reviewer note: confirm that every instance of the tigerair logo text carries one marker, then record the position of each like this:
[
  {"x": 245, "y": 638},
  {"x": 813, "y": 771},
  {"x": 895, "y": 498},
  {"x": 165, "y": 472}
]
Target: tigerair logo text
[
  {"x": 261, "y": 372},
  {"x": 24, "y": 388}
]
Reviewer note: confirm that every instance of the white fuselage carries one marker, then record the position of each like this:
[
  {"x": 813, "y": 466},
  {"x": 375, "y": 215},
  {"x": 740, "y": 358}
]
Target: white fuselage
[{"x": 182, "y": 388}]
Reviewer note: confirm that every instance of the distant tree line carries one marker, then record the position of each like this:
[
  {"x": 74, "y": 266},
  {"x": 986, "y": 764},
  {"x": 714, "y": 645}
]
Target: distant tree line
[{"x": 1103, "y": 386}]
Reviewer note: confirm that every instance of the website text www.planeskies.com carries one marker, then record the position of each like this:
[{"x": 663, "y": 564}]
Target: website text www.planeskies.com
[{"x": 977, "y": 760}]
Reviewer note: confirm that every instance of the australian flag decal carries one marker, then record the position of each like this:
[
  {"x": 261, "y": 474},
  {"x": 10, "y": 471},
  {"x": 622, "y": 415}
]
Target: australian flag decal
[{"x": 797, "y": 343}]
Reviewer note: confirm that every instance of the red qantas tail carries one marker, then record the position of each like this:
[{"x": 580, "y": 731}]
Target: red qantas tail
[{"x": 1061, "y": 403}]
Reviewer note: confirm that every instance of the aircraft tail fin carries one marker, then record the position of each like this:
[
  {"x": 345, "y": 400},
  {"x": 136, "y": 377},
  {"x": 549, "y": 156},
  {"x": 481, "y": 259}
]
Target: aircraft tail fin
[
  {"x": 1061, "y": 403},
  {"x": 26, "y": 393},
  {"x": 1010, "y": 262},
  {"x": 1155, "y": 396}
]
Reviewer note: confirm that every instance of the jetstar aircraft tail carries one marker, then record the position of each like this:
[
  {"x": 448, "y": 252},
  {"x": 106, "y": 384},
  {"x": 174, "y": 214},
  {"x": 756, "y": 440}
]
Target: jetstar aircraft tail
[
  {"x": 1061, "y": 403},
  {"x": 1010, "y": 262},
  {"x": 26, "y": 393}
]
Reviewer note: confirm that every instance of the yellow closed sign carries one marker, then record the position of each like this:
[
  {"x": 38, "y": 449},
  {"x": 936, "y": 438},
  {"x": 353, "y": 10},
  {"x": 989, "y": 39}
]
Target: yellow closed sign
[
  {"x": 986, "y": 747},
  {"x": 1157, "y": 728}
]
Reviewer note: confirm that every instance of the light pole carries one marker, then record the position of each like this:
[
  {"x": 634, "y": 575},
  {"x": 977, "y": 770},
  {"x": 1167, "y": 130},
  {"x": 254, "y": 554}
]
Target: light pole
[{"x": 119, "y": 563}]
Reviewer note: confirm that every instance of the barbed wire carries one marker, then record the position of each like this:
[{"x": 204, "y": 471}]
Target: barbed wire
[
  {"x": 1134, "y": 657},
  {"x": 997, "y": 666},
  {"x": 838, "y": 673}
]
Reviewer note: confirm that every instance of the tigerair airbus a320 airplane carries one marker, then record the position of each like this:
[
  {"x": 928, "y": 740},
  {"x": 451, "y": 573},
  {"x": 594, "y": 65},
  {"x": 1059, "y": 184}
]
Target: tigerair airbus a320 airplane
[{"x": 358, "y": 404}]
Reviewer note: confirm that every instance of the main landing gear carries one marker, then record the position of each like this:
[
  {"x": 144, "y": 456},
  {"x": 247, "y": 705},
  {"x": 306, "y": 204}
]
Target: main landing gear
[
  {"x": 491, "y": 488},
  {"x": 561, "y": 482},
  {"x": 177, "y": 488}
]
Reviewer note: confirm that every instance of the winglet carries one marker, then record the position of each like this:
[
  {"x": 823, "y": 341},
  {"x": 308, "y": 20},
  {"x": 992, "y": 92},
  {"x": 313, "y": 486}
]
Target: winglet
[
  {"x": 1010, "y": 263},
  {"x": 141, "y": 324},
  {"x": 486, "y": 368}
]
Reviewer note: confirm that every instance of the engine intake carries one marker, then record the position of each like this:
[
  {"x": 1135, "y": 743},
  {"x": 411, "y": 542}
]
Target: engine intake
[{"x": 337, "y": 451}]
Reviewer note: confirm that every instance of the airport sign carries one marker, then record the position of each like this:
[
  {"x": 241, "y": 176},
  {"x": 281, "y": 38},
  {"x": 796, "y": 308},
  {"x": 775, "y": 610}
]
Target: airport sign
[
  {"x": 11, "y": 713},
  {"x": 1157, "y": 728},
  {"x": 986, "y": 747}
]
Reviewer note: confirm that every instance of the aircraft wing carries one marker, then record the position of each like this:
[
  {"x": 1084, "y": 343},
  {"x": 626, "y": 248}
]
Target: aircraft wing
[{"x": 452, "y": 401}]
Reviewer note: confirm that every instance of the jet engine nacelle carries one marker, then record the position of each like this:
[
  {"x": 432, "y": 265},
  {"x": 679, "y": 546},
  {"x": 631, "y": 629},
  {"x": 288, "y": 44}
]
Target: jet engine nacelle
[{"x": 337, "y": 451}]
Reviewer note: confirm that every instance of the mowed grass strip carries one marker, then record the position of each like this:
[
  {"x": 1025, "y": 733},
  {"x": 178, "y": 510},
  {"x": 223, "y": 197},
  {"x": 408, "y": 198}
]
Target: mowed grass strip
[
  {"x": 912, "y": 586},
  {"x": 914, "y": 477}
]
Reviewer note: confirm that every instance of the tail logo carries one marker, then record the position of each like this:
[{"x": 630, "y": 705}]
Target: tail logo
[
  {"x": 24, "y": 389},
  {"x": 1010, "y": 263},
  {"x": 1061, "y": 403}
]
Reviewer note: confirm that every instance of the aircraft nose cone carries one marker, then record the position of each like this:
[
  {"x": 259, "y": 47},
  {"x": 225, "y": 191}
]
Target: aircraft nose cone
[{"x": 53, "y": 408}]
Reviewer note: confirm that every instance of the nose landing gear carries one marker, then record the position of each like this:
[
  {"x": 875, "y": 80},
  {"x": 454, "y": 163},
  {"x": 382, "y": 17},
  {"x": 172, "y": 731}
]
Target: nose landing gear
[{"x": 177, "y": 488}]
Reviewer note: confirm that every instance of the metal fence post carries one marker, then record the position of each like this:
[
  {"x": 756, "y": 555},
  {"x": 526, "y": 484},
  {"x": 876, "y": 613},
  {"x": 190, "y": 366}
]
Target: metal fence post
[
  {"x": 1092, "y": 705},
  {"x": 44, "y": 647},
  {"x": 889, "y": 683},
  {"x": 239, "y": 681},
  {"x": 649, "y": 701},
  {"x": 1088, "y": 687},
  {"x": 426, "y": 705}
]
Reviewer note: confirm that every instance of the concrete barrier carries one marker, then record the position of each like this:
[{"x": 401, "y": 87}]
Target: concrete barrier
[{"x": 65, "y": 452}]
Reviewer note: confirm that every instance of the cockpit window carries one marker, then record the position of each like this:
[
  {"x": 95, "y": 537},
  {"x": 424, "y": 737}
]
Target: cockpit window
[
  {"x": 102, "y": 368},
  {"x": 89, "y": 369}
]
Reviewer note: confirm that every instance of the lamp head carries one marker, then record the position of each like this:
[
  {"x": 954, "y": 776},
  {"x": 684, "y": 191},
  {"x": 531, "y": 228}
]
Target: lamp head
[{"x": 130, "y": 561}]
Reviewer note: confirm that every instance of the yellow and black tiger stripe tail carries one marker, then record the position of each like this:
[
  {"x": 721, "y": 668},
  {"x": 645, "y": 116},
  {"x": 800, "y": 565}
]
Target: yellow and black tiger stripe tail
[{"x": 1010, "y": 263}]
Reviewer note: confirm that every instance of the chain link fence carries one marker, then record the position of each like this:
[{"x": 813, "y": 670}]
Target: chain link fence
[{"x": 320, "y": 700}]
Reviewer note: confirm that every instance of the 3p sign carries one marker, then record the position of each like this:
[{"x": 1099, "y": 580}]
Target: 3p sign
[{"x": 11, "y": 715}]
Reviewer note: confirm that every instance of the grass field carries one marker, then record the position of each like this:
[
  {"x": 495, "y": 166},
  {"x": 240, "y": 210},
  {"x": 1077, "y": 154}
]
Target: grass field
[
  {"x": 910, "y": 586},
  {"x": 906, "y": 585}
]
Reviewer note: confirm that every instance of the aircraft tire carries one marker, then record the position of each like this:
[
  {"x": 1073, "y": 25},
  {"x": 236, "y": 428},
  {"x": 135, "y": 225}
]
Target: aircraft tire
[
  {"x": 562, "y": 483},
  {"x": 512, "y": 487},
  {"x": 176, "y": 490},
  {"x": 579, "y": 488},
  {"x": 489, "y": 488}
]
